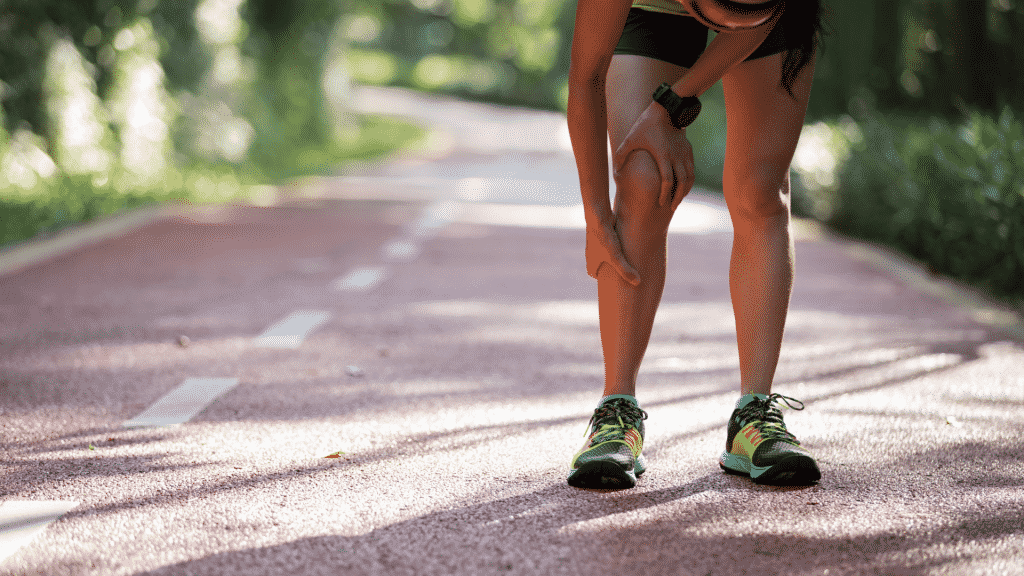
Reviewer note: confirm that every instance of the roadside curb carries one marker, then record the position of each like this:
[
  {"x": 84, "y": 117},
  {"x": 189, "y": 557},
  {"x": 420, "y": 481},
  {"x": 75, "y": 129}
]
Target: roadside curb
[
  {"x": 982, "y": 308},
  {"x": 36, "y": 251}
]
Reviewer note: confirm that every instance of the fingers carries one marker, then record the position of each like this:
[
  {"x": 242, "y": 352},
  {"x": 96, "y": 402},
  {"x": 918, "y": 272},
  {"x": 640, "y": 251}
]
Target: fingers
[
  {"x": 628, "y": 273},
  {"x": 620, "y": 155},
  {"x": 607, "y": 249},
  {"x": 668, "y": 177},
  {"x": 618, "y": 261},
  {"x": 685, "y": 177}
]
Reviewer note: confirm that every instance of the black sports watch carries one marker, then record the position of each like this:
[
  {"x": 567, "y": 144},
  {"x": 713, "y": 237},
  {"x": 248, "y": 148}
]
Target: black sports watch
[{"x": 682, "y": 111}]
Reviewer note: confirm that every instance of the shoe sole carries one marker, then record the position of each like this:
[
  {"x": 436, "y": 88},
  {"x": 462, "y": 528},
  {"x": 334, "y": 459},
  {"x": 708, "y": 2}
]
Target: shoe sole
[
  {"x": 794, "y": 470},
  {"x": 598, "y": 474}
]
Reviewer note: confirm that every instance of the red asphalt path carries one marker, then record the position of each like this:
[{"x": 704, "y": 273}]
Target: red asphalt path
[{"x": 459, "y": 386}]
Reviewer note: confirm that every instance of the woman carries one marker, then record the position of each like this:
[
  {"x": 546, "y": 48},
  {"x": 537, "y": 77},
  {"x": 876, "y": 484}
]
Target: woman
[{"x": 622, "y": 53}]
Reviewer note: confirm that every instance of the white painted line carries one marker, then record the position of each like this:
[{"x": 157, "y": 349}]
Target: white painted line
[
  {"x": 400, "y": 251},
  {"x": 361, "y": 279},
  {"x": 183, "y": 403},
  {"x": 293, "y": 329},
  {"x": 435, "y": 217},
  {"x": 21, "y": 521}
]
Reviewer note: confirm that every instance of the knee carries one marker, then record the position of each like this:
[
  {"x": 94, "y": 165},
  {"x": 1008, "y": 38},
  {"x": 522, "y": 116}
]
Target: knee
[
  {"x": 757, "y": 196},
  {"x": 637, "y": 186}
]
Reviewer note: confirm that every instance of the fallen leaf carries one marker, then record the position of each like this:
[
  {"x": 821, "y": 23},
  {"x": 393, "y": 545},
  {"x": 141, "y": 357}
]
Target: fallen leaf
[{"x": 335, "y": 454}]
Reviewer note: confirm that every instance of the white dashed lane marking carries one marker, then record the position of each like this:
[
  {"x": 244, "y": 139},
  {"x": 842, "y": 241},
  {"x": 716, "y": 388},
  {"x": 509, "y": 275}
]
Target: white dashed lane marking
[
  {"x": 435, "y": 217},
  {"x": 23, "y": 520},
  {"x": 361, "y": 279},
  {"x": 183, "y": 403},
  {"x": 293, "y": 329},
  {"x": 404, "y": 248},
  {"x": 400, "y": 251}
]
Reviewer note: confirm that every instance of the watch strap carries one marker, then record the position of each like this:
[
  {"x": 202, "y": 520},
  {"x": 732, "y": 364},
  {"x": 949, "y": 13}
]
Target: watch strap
[{"x": 681, "y": 111}]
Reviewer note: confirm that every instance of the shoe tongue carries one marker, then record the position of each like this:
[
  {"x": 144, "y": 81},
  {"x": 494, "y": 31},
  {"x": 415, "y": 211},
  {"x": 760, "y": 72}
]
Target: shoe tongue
[{"x": 748, "y": 398}]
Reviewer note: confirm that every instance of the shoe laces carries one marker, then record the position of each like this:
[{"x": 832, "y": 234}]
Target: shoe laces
[
  {"x": 767, "y": 411},
  {"x": 611, "y": 418}
]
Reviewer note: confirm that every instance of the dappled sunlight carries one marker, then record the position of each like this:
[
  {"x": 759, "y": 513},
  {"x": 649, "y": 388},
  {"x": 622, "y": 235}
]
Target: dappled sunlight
[
  {"x": 417, "y": 387},
  {"x": 218, "y": 129},
  {"x": 141, "y": 106},
  {"x": 82, "y": 140},
  {"x": 567, "y": 312},
  {"x": 650, "y": 365},
  {"x": 118, "y": 356},
  {"x": 25, "y": 165},
  {"x": 820, "y": 156}
]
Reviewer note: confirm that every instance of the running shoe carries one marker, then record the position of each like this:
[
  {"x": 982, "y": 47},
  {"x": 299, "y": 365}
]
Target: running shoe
[
  {"x": 611, "y": 458},
  {"x": 759, "y": 446}
]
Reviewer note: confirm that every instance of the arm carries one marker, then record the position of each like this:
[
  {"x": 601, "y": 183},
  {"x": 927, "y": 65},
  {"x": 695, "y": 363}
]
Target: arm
[{"x": 598, "y": 27}]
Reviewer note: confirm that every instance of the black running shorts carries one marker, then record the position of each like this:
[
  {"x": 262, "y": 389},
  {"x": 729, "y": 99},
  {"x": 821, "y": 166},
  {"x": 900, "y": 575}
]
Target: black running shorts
[{"x": 680, "y": 40}]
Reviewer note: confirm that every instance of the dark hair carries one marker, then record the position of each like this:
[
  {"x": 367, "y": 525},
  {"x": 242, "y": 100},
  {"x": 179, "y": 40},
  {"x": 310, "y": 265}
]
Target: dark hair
[{"x": 803, "y": 27}]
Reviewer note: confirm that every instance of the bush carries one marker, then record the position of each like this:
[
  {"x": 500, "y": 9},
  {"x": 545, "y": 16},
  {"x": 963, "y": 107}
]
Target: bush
[
  {"x": 948, "y": 194},
  {"x": 46, "y": 199}
]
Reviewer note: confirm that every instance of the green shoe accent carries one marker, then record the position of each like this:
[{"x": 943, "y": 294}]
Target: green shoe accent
[
  {"x": 611, "y": 458},
  {"x": 759, "y": 446}
]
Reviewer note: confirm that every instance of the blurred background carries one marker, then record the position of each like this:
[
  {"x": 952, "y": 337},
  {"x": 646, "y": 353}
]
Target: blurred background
[{"x": 913, "y": 136}]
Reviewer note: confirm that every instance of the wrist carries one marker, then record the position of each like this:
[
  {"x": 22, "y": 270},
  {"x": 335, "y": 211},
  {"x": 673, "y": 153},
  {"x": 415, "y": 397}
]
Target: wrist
[
  {"x": 598, "y": 218},
  {"x": 681, "y": 111}
]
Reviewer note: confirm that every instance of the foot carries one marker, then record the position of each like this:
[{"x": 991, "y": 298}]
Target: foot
[
  {"x": 759, "y": 446},
  {"x": 610, "y": 458}
]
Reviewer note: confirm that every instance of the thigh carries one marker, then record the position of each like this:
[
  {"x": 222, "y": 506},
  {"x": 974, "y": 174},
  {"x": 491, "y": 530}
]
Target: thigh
[
  {"x": 763, "y": 127},
  {"x": 629, "y": 87}
]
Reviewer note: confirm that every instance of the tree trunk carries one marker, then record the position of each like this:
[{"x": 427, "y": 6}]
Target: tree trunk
[
  {"x": 972, "y": 71},
  {"x": 886, "y": 56}
]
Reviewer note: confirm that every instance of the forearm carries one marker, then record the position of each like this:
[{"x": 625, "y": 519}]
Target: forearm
[{"x": 587, "y": 117}]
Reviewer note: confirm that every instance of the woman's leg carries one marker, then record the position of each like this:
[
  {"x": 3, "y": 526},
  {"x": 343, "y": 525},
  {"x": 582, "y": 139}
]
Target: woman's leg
[
  {"x": 764, "y": 124},
  {"x": 627, "y": 311}
]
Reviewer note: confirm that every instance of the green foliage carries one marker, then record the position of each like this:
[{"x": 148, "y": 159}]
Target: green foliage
[
  {"x": 376, "y": 136},
  {"x": 707, "y": 136},
  {"x": 951, "y": 195},
  {"x": 506, "y": 51},
  {"x": 29, "y": 27},
  {"x": 110, "y": 104},
  {"x": 63, "y": 200},
  {"x": 289, "y": 40}
]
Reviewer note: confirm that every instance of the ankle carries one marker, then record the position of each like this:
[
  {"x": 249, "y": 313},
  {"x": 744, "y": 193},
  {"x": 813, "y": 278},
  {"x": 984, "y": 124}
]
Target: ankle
[
  {"x": 748, "y": 398},
  {"x": 629, "y": 397}
]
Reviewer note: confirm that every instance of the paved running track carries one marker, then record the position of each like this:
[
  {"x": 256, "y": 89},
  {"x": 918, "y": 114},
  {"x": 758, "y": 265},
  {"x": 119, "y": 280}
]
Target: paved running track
[{"x": 169, "y": 396}]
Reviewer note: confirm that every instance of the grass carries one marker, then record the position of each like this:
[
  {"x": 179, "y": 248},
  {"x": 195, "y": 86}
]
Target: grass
[{"x": 65, "y": 200}]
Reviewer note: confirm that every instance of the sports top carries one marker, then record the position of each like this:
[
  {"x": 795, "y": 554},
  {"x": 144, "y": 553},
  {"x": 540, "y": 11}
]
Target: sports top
[
  {"x": 717, "y": 14},
  {"x": 664, "y": 6}
]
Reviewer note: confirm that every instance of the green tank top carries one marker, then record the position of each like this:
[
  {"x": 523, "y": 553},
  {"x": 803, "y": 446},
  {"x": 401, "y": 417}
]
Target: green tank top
[{"x": 664, "y": 6}]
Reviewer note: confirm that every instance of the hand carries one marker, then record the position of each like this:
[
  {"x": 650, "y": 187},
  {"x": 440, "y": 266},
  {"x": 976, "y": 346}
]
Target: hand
[
  {"x": 672, "y": 152},
  {"x": 603, "y": 245}
]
